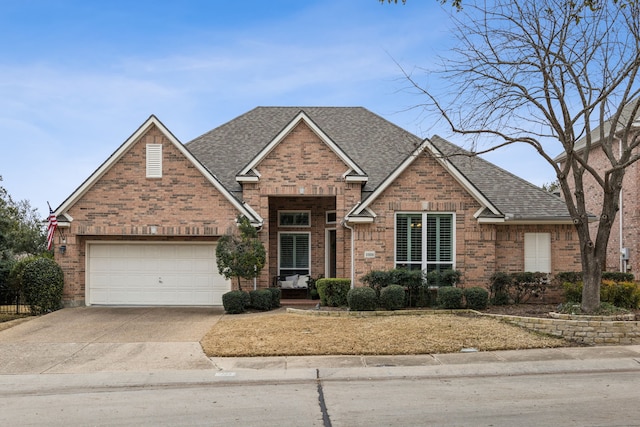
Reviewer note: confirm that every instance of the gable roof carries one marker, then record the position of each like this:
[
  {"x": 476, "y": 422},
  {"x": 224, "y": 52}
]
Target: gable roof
[
  {"x": 516, "y": 198},
  {"x": 375, "y": 145},
  {"x": 153, "y": 121},
  {"x": 303, "y": 117},
  {"x": 381, "y": 150}
]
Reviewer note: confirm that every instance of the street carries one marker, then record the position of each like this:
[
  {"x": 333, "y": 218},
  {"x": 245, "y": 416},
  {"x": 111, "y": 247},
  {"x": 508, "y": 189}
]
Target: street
[{"x": 200, "y": 398}]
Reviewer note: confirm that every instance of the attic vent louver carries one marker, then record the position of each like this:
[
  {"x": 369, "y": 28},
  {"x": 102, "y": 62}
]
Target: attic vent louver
[{"x": 154, "y": 160}]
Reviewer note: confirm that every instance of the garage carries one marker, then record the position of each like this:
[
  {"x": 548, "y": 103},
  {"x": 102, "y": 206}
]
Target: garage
[{"x": 133, "y": 273}]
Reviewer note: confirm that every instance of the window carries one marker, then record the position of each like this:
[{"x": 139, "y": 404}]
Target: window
[
  {"x": 425, "y": 241},
  {"x": 331, "y": 217},
  {"x": 294, "y": 219},
  {"x": 154, "y": 160},
  {"x": 293, "y": 253},
  {"x": 537, "y": 252}
]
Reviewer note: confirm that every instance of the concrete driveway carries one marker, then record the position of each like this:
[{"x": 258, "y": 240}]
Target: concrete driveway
[{"x": 108, "y": 339}]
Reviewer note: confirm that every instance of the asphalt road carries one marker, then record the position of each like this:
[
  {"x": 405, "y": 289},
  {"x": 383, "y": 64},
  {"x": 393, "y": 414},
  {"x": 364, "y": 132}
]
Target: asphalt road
[{"x": 188, "y": 398}]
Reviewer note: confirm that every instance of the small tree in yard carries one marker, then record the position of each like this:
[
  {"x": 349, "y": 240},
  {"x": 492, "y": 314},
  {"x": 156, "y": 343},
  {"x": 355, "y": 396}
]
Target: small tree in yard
[
  {"x": 241, "y": 255},
  {"x": 548, "y": 73}
]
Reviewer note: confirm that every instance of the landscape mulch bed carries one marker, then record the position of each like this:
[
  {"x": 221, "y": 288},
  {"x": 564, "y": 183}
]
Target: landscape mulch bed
[{"x": 286, "y": 334}]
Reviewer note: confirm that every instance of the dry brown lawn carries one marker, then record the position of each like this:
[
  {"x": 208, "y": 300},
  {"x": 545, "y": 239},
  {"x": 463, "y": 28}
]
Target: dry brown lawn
[{"x": 287, "y": 334}]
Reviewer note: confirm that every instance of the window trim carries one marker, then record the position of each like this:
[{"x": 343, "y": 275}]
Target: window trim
[
  {"x": 281, "y": 213},
  {"x": 326, "y": 216},
  {"x": 424, "y": 263},
  {"x": 280, "y": 233}
]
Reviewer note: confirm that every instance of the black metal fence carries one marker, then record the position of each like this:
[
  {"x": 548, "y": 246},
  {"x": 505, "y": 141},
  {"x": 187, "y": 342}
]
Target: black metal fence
[{"x": 12, "y": 302}]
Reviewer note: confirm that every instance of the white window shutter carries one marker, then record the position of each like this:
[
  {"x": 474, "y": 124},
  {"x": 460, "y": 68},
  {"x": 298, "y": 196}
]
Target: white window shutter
[
  {"x": 537, "y": 252},
  {"x": 154, "y": 160}
]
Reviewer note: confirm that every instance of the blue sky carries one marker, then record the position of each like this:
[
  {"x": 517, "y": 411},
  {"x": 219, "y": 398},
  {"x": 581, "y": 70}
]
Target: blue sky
[{"x": 77, "y": 78}]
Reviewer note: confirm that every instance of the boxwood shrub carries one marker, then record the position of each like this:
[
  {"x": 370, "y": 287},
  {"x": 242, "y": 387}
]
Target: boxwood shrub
[
  {"x": 362, "y": 299},
  {"x": 275, "y": 297},
  {"x": 42, "y": 283},
  {"x": 449, "y": 297},
  {"x": 261, "y": 299},
  {"x": 477, "y": 298},
  {"x": 392, "y": 297},
  {"x": 333, "y": 292},
  {"x": 235, "y": 302}
]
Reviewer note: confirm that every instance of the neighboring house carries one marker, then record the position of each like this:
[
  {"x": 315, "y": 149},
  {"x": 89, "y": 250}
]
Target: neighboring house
[
  {"x": 623, "y": 251},
  {"x": 335, "y": 192}
]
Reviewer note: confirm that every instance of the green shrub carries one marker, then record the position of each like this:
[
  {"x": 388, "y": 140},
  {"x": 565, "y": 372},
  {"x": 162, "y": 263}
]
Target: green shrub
[
  {"x": 42, "y": 283},
  {"x": 412, "y": 280},
  {"x": 362, "y": 299},
  {"x": 617, "y": 276},
  {"x": 620, "y": 294},
  {"x": 275, "y": 297},
  {"x": 572, "y": 291},
  {"x": 569, "y": 276},
  {"x": 235, "y": 302},
  {"x": 477, "y": 298},
  {"x": 449, "y": 297},
  {"x": 15, "y": 275},
  {"x": 392, "y": 297},
  {"x": 499, "y": 288},
  {"x": 333, "y": 292},
  {"x": 261, "y": 299}
]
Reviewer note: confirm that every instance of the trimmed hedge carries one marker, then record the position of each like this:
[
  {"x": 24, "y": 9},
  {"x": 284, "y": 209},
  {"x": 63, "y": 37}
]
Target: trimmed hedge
[
  {"x": 477, "y": 298},
  {"x": 362, "y": 299},
  {"x": 275, "y": 297},
  {"x": 333, "y": 292},
  {"x": 619, "y": 294},
  {"x": 261, "y": 299},
  {"x": 449, "y": 297},
  {"x": 235, "y": 302},
  {"x": 392, "y": 297},
  {"x": 42, "y": 283}
]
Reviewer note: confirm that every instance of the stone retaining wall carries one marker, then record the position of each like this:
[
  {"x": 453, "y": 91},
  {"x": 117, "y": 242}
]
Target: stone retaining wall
[{"x": 590, "y": 331}]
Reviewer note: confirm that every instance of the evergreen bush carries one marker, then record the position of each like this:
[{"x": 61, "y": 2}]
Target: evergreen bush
[
  {"x": 42, "y": 283},
  {"x": 261, "y": 299},
  {"x": 362, "y": 299},
  {"x": 449, "y": 297},
  {"x": 275, "y": 297},
  {"x": 333, "y": 292},
  {"x": 477, "y": 298},
  {"x": 235, "y": 302},
  {"x": 500, "y": 283},
  {"x": 392, "y": 297}
]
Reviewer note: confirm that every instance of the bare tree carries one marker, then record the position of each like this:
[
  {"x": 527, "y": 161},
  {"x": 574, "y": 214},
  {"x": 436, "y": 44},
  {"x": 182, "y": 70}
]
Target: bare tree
[{"x": 549, "y": 73}]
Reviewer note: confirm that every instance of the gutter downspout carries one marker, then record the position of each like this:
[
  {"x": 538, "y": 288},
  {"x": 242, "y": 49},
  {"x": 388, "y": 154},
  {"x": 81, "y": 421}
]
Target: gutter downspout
[{"x": 344, "y": 224}]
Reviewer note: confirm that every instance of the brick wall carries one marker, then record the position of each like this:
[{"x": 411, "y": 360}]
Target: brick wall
[
  {"x": 302, "y": 172},
  {"x": 124, "y": 204},
  {"x": 631, "y": 211},
  {"x": 481, "y": 249}
]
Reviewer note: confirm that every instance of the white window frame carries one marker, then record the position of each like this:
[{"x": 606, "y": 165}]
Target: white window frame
[
  {"x": 280, "y": 233},
  {"x": 335, "y": 221},
  {"x": 423, "y": 262},
  {"x": 537, "y": 252},
  {"x": 281, "y": 213},
  {"x": 154, "y": 160}
]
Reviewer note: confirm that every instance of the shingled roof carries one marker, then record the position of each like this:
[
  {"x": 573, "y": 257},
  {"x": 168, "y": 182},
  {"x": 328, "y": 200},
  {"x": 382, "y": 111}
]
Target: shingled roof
[{"x": 378, "y": 147}]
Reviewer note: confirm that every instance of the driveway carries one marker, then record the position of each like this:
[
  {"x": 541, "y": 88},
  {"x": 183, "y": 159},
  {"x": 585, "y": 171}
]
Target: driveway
[{"x": 106, "y": 339}]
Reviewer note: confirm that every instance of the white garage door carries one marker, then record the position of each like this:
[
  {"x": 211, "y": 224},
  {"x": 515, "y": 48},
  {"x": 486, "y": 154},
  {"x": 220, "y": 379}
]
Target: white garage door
[{"x": 153, "y": 274}]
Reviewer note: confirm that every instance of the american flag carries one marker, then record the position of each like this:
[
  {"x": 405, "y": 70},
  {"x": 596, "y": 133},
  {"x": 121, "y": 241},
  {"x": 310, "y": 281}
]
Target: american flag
[{"x": 51, "y": 227}]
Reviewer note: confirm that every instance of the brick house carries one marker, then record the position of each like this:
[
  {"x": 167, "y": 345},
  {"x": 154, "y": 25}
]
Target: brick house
[
  {"x": 623, "y": 251},
  {"x": 333, "y": 191}
]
